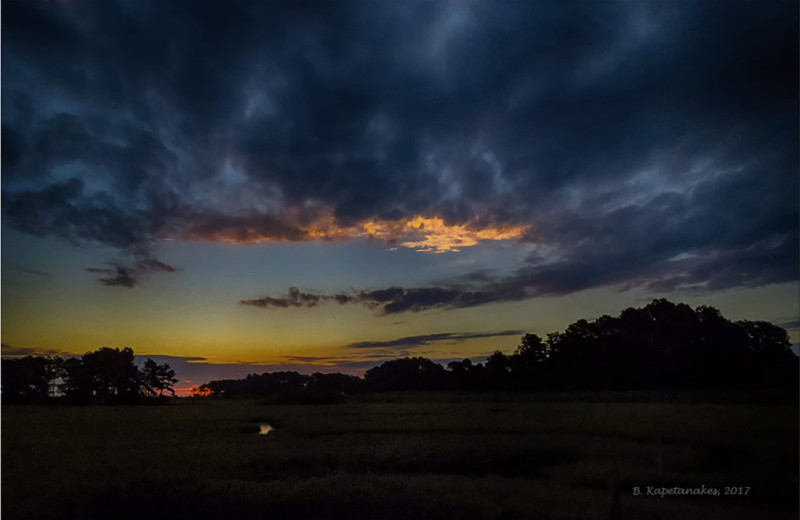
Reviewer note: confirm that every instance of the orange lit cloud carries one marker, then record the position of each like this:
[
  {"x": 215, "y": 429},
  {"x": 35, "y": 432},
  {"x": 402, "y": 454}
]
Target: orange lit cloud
[
  {"x": 435, "y": 236},
  {"x": 424, "y": 234}
]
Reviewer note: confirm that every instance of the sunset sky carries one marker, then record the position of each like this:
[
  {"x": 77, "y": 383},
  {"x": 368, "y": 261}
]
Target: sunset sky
[{"x": 238, "y": 187}]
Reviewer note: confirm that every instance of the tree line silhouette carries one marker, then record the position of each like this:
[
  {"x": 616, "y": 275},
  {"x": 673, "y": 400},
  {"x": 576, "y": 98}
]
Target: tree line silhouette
[
  {"x": 660, "y": 346},
  {"x": 106, "y": 375}
]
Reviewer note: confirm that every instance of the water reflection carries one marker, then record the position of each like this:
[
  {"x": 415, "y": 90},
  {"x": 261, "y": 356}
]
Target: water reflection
[{"x": 264, "y": 428}]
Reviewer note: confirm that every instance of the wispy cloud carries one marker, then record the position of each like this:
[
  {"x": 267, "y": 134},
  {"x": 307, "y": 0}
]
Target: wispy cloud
[
  {"x": 655, "y": 266},
  {"x": 36, "y": 272},
  {"x": 11, "y": 351},
  {"x": 130, "y": 276},
  {"x": 408, "y": 342}
]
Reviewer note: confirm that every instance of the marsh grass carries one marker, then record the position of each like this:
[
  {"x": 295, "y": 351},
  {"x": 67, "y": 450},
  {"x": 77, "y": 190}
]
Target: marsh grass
[{"x": 392, "y": 459}]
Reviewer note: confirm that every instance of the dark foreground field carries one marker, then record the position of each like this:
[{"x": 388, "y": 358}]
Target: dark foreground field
[{"x": 406, "y": 458}]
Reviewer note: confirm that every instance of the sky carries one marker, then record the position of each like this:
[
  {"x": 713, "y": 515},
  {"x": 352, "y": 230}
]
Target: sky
[{"x": 237, "y": 187}]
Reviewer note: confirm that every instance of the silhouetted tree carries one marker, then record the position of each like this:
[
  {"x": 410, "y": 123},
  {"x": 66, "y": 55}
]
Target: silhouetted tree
[
  {"x": 330, "y": 388},
  {"x": 56, "y": 374},
  {"x": 104, "y": 376},
  {"x": 335, "y": 382},
  {"x": 416, "y": 373},
  {"x": 661, "y": 345},
  {"x": 667, "y": 345},
  {"x": 114, "y": 374},
  {"x": 527, "y": 361},
  {"x": 157, "y": 378},
  {"x": 78, "y": 385},
  {"x": 498, "y": 370},
  {"x": 462, "y": 374},
  {"x": 107, "y": 375},
  {"x": 532, "y": 350},
  {"x": 212, "y": 388},
  {"x": 26, "y": 379}
]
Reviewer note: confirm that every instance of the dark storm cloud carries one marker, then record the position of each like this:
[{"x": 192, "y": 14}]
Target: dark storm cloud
[{"x": 646, "y": 144}]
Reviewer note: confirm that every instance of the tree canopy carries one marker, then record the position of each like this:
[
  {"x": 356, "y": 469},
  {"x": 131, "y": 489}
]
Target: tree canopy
[
  {"x": 662, "y": 345},
  {"x": 106, "y": 375}
]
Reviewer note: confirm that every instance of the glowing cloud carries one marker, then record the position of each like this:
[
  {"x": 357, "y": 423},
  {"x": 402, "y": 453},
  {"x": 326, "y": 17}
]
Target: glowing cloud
[
  {"x": 424, "y": 234},
  {"x": 434, "y": 235}
]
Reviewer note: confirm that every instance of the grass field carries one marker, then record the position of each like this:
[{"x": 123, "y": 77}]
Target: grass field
[{"x": 399, "y": 458}]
